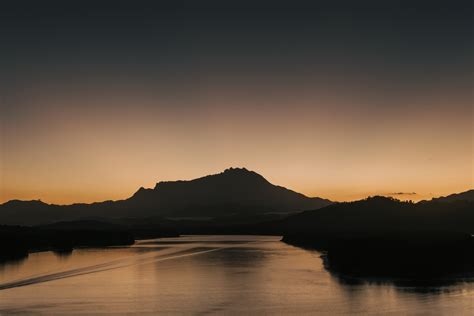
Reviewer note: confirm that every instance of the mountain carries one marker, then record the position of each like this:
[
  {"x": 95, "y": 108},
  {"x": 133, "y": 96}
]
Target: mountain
[
  {"x": 373, "y": 213},
  {"x": 463, "y": 196},
  {"x": 382, "y": 237},
  {"x": 232, "y": 193},
  {"x": 379, "y": 215},
  {"x": 455, "y": 211},
  {"x": 16, "y": 212}
]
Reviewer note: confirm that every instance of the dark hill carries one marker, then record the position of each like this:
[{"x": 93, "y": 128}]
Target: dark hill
[
  {"x": 382, "y": 213},
  {"x": 463, "y": 196},
  {"x": 384, "y": 237},
  {"x": 378, "y": 215},
  {"x": 232, "y": 193}
]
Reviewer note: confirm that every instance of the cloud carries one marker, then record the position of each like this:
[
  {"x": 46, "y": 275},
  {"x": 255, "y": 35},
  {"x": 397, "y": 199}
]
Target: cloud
[{"x": 403, "y": 193}]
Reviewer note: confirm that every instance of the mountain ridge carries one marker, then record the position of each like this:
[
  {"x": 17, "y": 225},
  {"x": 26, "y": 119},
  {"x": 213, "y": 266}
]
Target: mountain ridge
[
  {"x": 238, "y": 189},
  {"x": 460, "y": 196},
  {"x": 383, "y": 214},
  {"x": 232, "y": 192}
]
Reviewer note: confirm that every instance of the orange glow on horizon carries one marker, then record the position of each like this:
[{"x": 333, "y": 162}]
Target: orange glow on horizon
[{"x": 320, "y": 143}]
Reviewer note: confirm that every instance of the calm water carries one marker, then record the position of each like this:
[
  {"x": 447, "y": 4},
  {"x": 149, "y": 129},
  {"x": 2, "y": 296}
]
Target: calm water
[{"x": 209, "y": 275}]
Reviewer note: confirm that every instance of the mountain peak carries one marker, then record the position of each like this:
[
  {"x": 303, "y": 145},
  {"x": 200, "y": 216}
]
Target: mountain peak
[
  {"x": 229, "y": 174},
  {"x": 237, "y": 170},
  {"x": 239, "y": 175},
  {"x": 240, "y": 171}
]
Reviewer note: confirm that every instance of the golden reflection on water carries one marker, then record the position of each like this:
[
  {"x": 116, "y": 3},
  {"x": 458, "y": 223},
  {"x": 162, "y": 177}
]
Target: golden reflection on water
[{"x": 208, "y": 275}]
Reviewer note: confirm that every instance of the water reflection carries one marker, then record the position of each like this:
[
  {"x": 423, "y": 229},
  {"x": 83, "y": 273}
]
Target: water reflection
[
  {"x": 63, "y": 254},
  {"x": 420, "y": 286},
  {"x": 209, "y": 275},
  {"x": 441, "y": 284}
]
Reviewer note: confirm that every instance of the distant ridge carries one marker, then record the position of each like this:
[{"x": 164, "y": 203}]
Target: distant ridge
[
  {"x": 463, "y": 196},
  {"x": 233, "y": 192},
  {"x": 385, "y": 214}
]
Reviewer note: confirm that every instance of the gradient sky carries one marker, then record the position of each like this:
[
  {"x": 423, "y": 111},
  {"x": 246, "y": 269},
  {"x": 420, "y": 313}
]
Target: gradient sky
[{"x": 339, "y": 100}]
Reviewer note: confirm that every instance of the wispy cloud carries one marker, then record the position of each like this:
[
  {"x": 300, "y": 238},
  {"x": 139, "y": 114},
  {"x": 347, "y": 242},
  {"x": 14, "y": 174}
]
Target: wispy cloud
[{"x": 402, "y": 193}]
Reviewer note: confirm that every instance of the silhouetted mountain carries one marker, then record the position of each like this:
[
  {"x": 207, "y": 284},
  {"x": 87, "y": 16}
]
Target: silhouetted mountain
[
  {"x": 233, "y": 193},
  {"x": 18, "y": 212},
  {"x": 384, "y": 237},
  {"x": 380, "y": 214},
  {"x": 463, "y": 196}
]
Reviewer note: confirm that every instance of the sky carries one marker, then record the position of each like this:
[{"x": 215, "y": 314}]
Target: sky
[{"x": 340, "y": 99}]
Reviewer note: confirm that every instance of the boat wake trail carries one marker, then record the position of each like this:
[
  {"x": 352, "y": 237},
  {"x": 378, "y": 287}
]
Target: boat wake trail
[{"x": 115, "y": 264}]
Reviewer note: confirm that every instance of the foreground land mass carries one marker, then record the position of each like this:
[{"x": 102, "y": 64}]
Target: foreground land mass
[
  {"x": 383, "y": 237},
  {"x": 17, "y": 242}
]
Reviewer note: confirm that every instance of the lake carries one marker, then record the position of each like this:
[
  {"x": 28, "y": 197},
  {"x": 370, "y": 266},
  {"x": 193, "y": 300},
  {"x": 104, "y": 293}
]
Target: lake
[{"x": 206, "y": 275}]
